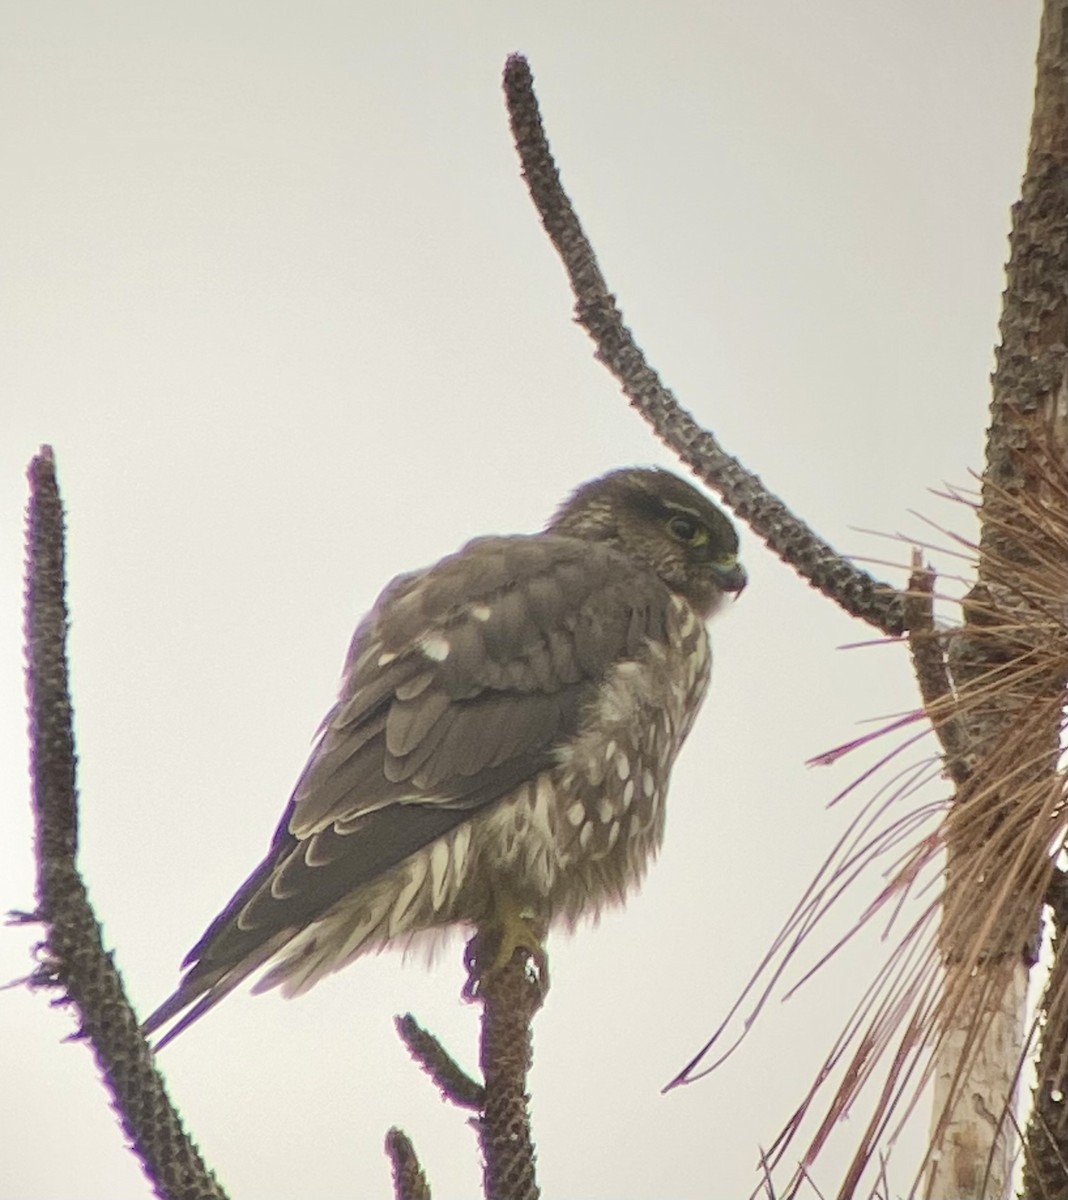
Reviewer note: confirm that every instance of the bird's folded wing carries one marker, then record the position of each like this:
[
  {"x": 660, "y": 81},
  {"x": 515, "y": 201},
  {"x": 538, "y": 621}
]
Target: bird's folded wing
[{"x": 459, "y": 685}]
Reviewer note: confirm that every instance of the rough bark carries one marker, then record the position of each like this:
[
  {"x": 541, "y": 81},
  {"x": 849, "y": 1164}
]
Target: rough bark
[
  {"x": 409, "y": 1182},
  {"x": 786, "y": 534},
  {"x": 1008, "y": 667},
  {"x": 510, "y": 998},
  {"x": 74, "y": 957}
]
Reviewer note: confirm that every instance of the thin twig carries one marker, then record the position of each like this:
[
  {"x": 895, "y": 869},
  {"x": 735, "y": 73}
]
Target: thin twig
[
  {"x": 453, "y": 1081},
  {"x": 409, "y": 1182},
  {"x": 932, "y": 674},
  {"x": 77, "y": 961},
  {"x": 788, "y": 536}
]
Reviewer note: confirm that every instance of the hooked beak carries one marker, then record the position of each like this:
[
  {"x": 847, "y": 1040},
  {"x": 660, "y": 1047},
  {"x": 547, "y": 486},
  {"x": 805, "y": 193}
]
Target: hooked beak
[{"x": 730, "y": 575}]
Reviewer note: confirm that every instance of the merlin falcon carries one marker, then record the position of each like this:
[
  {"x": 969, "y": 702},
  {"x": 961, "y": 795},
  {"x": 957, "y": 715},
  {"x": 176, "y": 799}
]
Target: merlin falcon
[{"x": 500, "y": 749}]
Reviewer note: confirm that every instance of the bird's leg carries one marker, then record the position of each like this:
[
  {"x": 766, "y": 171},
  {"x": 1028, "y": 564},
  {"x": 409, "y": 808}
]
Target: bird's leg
[{"x": 508, "y": 927}]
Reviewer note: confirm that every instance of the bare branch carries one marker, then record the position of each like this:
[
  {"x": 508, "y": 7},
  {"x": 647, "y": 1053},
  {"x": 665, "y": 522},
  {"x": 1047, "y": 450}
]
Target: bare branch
[
  {"x": 453, "y": 1081},
  {"x": 932, "y": 675},
  {"x": 1046, "y": 1143},
  {"x": 788, "y": 536},
  {"x": 510, "y": 997},
  {"x": 409, "y": 1182},
  {"x": 1029, "y": 428},
  {"x": 1014, "y": 628},
  {"x": 77, "y": 961}
]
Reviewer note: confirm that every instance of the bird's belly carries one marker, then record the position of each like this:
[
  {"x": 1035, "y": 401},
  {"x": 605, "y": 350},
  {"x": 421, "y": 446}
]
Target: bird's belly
[
  {"x": 582, "y": 834},
  {"x": 563, "y": 846}
]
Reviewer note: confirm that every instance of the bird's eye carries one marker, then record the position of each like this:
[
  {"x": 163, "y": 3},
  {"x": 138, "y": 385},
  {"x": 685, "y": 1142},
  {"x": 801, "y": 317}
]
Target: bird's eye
[{"x": 687, "y": 530}]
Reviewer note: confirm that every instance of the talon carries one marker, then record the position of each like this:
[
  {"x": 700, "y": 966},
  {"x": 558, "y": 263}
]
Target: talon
[{"x": 495, "y": 945}]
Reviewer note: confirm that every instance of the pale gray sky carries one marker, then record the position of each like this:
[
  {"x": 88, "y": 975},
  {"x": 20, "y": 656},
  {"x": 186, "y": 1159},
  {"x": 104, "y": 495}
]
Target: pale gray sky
[{"x": 273, "y": 290}]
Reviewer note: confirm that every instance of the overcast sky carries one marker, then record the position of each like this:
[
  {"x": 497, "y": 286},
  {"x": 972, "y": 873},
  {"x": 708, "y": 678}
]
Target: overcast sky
[{"x": 274, "y": 291}]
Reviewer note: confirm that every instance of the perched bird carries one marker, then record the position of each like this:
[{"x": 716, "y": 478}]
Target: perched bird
[{"x": 500, "y": 749}]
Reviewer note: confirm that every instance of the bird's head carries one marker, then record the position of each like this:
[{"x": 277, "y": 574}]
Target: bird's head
[{"x": 657, "y": 518}]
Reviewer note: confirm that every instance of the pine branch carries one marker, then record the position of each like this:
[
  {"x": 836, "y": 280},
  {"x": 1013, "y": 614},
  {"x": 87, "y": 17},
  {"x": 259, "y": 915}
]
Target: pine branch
[
  {"x": 453, "y": 1081},
  {"x": 77, "y": 961},
  {"x": 932, "y": 673},
  {"x": 409, "y": 1182},
  {"x": 786, "y": 534},
  {"x": 510, "y": 995},
  {"x": 1027, "y": 432},
  {"x": 1046, "y": 1142},
  {"x": 510, "y": 998}
]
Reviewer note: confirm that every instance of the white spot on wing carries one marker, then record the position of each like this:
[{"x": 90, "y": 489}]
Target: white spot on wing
[
  {"x": 606, "y": 810},
  {"x": 628, "y": 793},
  {"x": 385, "y": 658},
  {"x": 481, "y": 612},
  {"x": 586, "y": 835},
  {"x": 622, "y": 766},
  {"x": 648, "y": 783},
  {"x": 435, "y": 647},
  {"x": 576, "y": 813}
]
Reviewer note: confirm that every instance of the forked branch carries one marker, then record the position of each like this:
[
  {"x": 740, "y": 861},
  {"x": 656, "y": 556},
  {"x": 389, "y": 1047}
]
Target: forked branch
[{"x": 510, "y": 996}]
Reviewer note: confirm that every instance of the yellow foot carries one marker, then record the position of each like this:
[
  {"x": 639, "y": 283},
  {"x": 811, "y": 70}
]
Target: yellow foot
[{"x": 510, "y": 929}]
